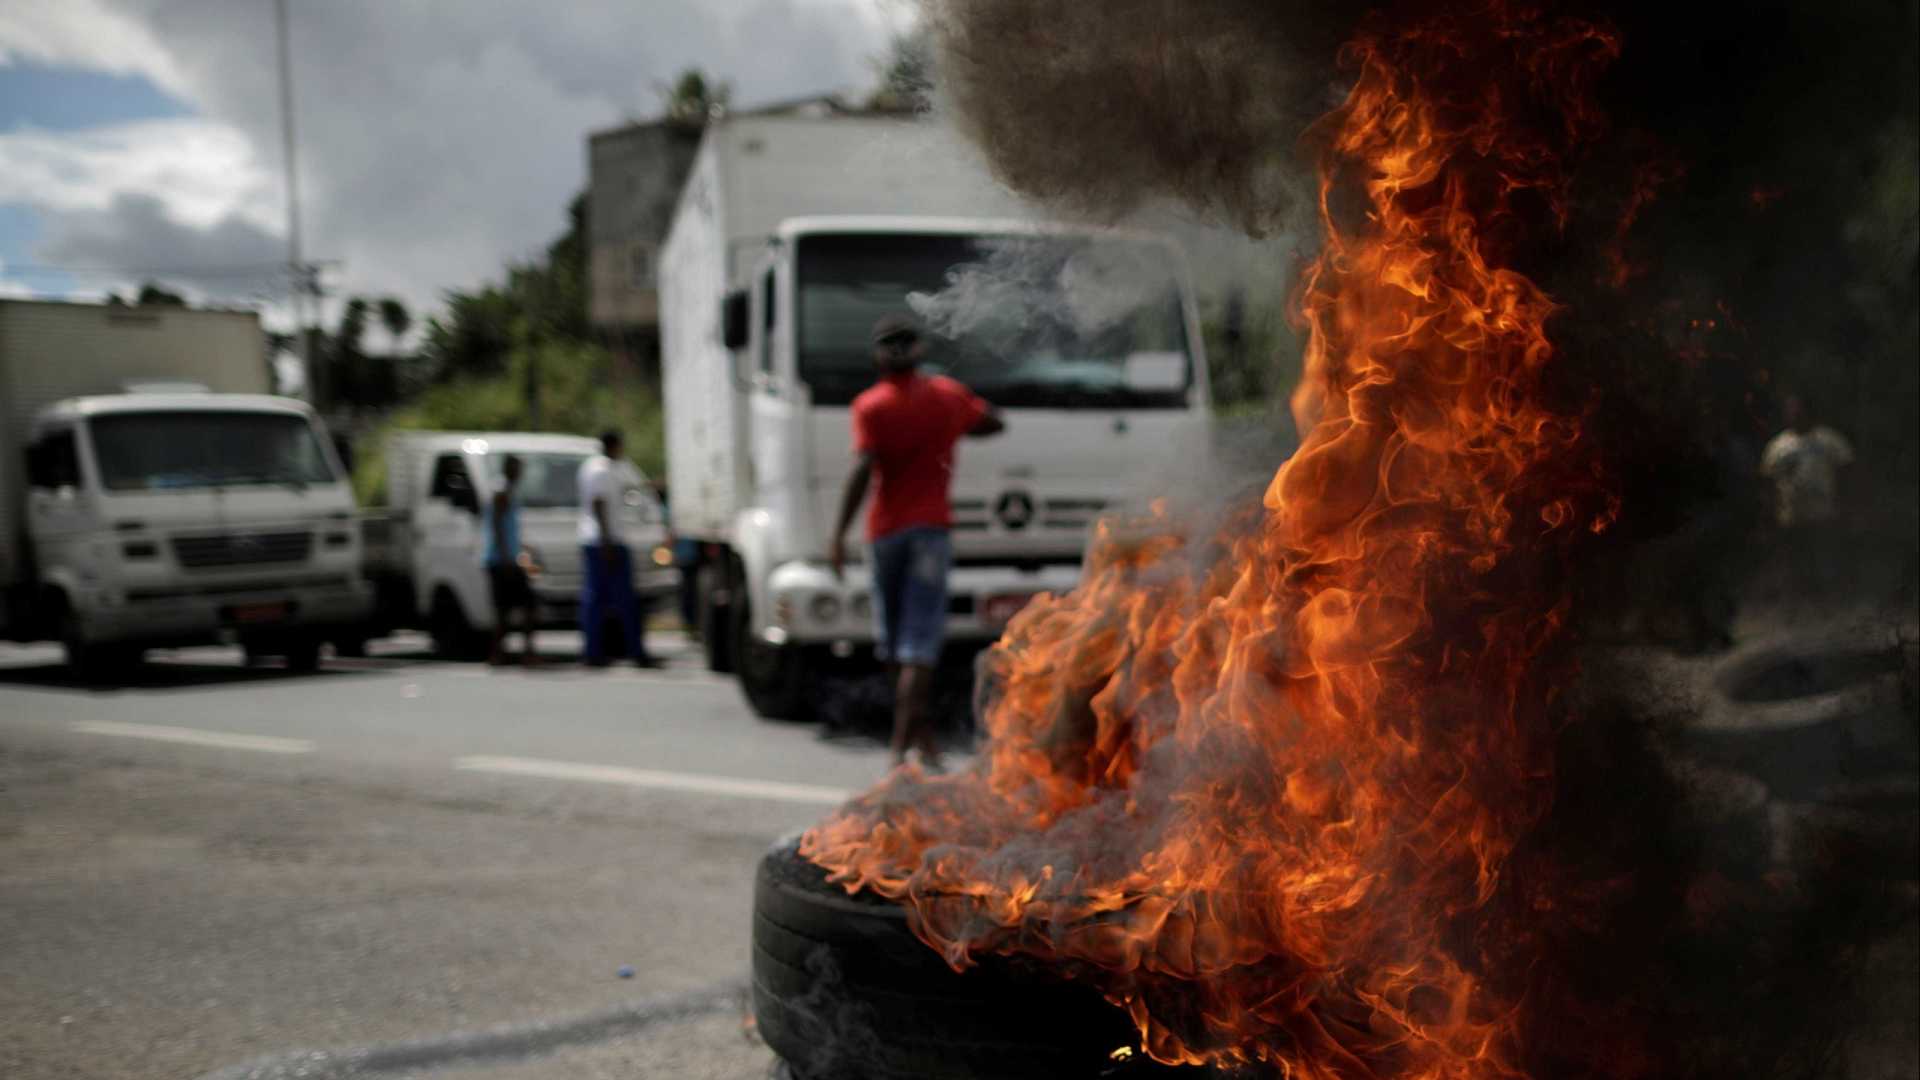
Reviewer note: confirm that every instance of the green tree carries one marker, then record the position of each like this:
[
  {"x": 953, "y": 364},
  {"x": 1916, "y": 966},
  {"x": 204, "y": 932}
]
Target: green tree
[
  {"x": 540, "y": 301},
  {"x": 694, "y": 99},
  {"x": 397, "y": 320},
  {"x": 353, "y": 325},
  {"x": 153, "y": 294},
  {"x": 356, "y": 380}
]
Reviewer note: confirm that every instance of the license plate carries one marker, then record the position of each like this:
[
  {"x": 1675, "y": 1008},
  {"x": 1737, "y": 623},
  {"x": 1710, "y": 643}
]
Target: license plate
[
  {"x": 254, "y": 614},
  {"x": 999, "y": 610}
]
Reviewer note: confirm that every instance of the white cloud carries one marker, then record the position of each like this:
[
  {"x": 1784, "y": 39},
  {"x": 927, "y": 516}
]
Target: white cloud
[
  {"x": 437, "y": 140},
  {"x": 85, "y": 33},
  {"x": 202, "y": 171}
]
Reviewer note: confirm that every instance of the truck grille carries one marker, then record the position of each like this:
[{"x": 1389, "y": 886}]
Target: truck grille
[
  {"x": 1011, "y": 513},
  {"x": 241, "y": 549}
]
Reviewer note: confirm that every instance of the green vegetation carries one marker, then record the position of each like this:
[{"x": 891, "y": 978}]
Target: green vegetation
[
  {"x": 578, "y": 390},
  {"x": 517, "y": 355}
]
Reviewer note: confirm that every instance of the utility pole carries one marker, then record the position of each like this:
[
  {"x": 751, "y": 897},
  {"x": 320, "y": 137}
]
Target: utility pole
[{"x": 297, "y": 270}]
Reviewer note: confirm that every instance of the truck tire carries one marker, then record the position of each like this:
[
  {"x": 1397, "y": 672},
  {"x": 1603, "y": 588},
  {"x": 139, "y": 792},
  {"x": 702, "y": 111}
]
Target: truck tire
[
  {"x": 453, "y": 637},
  {"x": 773, "y": 678},
  {"x": 95, "y": 662},
  {"x": 716, "y": 627},
  {"x": 303, "y": 655},
  {"x": 842, "y": 989}
]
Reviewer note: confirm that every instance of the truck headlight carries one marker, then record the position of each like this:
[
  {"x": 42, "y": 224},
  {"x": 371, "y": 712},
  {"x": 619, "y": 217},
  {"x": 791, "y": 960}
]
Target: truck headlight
[
  {"x": 824, "y": 608},
  {"x": 861, "y": 606}
]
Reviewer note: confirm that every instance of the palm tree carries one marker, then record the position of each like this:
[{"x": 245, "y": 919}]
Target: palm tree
[
  {"x": 353, "y": 324},
  {"x": 397, "y": 320},
  {"x": 692, "y": 100}
]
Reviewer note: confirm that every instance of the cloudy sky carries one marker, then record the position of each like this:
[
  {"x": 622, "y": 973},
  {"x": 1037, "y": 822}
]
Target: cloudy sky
[{"x": 437, "y": 138}]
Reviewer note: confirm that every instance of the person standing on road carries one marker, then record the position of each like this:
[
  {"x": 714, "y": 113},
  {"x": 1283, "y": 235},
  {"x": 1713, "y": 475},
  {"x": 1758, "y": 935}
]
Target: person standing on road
[
  {"x": 904, "y": 430},
  {"x": 507, "y": 567},
  {"x": 606, "y": 581}
]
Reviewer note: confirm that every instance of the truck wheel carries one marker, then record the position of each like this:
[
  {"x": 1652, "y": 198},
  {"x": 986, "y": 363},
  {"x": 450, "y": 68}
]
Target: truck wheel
[
  {"x": 772, "y": 677},
  {"x": 716, "y": 629},
  {"x": 453, "y": 637},
  {"x": 92, "y": 661},
  {"x": 303, "y": 655}
]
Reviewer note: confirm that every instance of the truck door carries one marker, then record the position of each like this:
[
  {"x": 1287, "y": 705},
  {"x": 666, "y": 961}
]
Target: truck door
[
  {"x": 57, "y": 508},
  {"x": 779, "y": 463},
  {"x": 447, "y": 535}
]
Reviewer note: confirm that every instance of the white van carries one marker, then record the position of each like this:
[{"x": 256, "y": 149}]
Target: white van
[{"x": 425, "y": 556}]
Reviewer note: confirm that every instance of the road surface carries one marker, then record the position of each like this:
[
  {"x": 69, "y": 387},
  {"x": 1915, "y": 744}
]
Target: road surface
[{"x": 211, "y": 869}]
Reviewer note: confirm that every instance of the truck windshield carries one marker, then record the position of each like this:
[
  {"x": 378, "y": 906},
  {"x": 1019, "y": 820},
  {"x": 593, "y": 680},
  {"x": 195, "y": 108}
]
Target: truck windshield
[
  {"x": 165, "y": 451},
  {"x": 1037, "y": 321},
  {"x": 546, "y": 480}
]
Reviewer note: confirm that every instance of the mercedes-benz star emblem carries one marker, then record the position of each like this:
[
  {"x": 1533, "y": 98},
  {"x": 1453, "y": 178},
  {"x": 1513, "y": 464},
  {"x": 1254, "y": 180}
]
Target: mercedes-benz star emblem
[{"x": 1015, "y": 509}]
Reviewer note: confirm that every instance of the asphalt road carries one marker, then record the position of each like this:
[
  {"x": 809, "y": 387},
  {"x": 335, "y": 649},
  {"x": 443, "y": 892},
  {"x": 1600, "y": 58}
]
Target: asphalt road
[
  {"x": 216, "y": 867},
  {"x": 400, "y": 869}
]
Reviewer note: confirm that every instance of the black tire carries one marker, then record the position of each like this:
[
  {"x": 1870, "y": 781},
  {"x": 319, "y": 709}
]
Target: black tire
[
  {"x": 95, "y": 663},
  {"x": 353, "y": 648},
  {"x": 716, "y": 625},
  {"x": 303, "y": 655},
  {"x": 453, "y": 637},
  {"x": 773, "y": 678},
  {"x": 843, "y": 990}
]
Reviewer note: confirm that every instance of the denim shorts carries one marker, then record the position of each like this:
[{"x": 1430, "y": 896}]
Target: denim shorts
[{"x": 910, "y": 594}]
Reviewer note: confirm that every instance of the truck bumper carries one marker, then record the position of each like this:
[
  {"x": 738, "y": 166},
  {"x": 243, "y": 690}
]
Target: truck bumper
[
  {"x": 811, "y": 607},
  {"x": 197, "y": 614}
]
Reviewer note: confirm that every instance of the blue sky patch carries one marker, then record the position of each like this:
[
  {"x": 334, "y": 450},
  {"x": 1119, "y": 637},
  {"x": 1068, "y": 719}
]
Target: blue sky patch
[
  {"x": 71, "y": 99},
  {"x": 19, "y": 231}
]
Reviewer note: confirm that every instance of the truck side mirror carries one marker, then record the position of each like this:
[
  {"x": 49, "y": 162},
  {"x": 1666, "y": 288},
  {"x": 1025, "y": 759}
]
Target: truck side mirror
[{"x": 735, "y": 319}]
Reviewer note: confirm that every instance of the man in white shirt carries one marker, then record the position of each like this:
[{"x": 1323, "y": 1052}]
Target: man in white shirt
[
  {"x": 1804, "y": 463},
  {"x": 606, "y": 581}
]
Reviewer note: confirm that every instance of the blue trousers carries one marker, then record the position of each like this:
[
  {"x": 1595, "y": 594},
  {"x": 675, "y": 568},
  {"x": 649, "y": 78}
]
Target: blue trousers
[{"x": 607, "y": 586}]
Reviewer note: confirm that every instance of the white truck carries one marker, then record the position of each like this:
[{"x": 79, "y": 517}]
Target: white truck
[
  {"x": 153, "y": 494},
  {"x": 424, "y": 553},
  {"x": 792, "y": 236}
]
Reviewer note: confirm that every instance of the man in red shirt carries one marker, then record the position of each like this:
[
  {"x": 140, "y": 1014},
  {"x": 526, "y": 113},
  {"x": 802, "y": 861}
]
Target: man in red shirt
[{"x": 904, "y": 428}]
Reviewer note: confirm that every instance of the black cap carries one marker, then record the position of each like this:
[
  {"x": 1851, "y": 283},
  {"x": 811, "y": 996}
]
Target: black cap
[{"x": 896, "y": 327}]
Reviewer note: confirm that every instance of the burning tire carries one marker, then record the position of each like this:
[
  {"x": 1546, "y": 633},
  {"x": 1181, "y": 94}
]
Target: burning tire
[{"x": 842, "y": 990}]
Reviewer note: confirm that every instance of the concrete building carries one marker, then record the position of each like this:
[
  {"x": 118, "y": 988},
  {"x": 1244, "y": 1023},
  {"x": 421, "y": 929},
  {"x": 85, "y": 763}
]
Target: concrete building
[{"x": 634, "y": 177}]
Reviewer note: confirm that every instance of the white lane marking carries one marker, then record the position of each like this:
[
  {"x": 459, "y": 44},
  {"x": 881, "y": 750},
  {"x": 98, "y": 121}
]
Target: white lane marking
[
  {"x": 650, "y": 778},
  {"x": 265, "y": 744}
]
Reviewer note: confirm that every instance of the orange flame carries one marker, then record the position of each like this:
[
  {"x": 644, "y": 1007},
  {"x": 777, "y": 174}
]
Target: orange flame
[{"x": 1259, "y": 788}]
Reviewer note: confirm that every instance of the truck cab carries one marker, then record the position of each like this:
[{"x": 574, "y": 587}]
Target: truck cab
[
  {"x": 438, "y": 484},
  {"x": 158, "y": 519},
  {"x": 1086, "y": 341}
]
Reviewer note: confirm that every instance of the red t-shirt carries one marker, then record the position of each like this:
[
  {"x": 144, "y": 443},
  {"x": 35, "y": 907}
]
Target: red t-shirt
[{"x": 908, "y": 425}]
